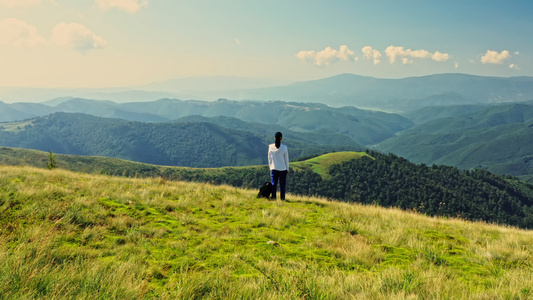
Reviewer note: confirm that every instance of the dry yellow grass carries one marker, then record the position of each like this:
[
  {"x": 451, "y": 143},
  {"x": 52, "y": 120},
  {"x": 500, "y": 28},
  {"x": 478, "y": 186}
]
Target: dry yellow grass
[{"x": 70, "y": 235}]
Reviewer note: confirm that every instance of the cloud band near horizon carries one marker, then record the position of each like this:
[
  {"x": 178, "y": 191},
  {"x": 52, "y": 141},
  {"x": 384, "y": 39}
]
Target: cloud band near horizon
[
  {"x": 329, "y": 56},
  {"x": 394, "y": 53}
]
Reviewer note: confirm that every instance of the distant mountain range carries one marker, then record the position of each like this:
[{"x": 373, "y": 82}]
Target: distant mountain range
[
  {"x": 452, "y": 119},
  {"x": 395, "y": 95},
  {"x": 197, "y": 88},
  {"x": 39, "y": 95},
  {"x": 401, "y": 95},
  {"x": 365, "y": 127}
]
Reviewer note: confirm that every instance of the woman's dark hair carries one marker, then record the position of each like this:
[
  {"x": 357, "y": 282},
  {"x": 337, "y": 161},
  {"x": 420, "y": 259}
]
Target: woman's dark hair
[{"x": 278, "y": 137}]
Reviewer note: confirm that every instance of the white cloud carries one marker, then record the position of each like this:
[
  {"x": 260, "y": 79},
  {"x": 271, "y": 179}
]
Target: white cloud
[
  {"x": 437, "y": 56},
  {"x": 513, "y": 66},
  {"x": 306, "y": 56},
  {"x": 76, "y": 36},
  {"x": 131, "y": 6},
  {"x": 406, "y": 56},
  {"x": 14, "y": 32},
  {"x": 417, "y": 53},
  {"x": 493, "y": 57},
  {"x": 370, "y": 53},
  {"x": 238, "y": 42},
  {"x": 393, "y": 52},
  {"x": 19, "y": 3},
  {"x": 345, "y": 53},
  {"x": 407, "y": 61},
  {"x": 456, "y": 65},
  {"x": 327, "y": 56}
]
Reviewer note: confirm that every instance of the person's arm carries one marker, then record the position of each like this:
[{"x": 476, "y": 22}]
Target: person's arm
[
  {"x": 286, "y": 156},
  {"x": 269, "y": 158}
]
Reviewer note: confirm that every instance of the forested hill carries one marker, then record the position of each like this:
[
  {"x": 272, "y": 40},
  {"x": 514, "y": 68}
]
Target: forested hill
[
  {"x": 364, "y": 126},
  {"x": 370, "y": 178},
  {"x": 324, "y": 137},
  {"x": 389, "y": 180},
  {"x": 495, "y": 138},
  {"x": 191, "y": 144}
]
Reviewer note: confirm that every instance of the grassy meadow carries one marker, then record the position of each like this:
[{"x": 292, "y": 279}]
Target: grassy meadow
[
  {"x": 322, "y": 163},
  {"x": 66, "y": 235}
]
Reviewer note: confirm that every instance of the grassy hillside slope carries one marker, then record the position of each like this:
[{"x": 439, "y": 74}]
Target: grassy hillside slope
[
  {"x": 71, "y": 235},
  {"x": 322, "y": 163},
  {"x": 114, "y": 166},
  {"x": 369, "y": 178}
]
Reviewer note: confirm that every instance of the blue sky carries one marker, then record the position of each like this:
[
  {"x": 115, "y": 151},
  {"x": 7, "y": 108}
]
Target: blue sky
[{"x": 107, "y": 43}]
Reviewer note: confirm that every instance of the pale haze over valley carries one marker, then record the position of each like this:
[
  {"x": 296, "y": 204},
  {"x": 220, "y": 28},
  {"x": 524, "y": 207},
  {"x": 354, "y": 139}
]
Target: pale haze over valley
[{"x": 178, "y": 48}]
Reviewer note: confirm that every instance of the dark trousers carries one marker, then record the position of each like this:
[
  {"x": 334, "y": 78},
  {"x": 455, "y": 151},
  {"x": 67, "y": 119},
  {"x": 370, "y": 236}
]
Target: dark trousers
[{"x": 280, "y": 176}]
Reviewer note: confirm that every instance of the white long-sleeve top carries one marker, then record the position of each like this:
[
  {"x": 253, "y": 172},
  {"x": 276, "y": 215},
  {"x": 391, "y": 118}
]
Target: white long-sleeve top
[{"x": 278, "y": 159}]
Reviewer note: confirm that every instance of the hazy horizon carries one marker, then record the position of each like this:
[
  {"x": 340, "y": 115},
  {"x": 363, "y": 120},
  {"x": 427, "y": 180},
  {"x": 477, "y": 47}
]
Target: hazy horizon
[
  {"x": 240, "y": 88},
  {"x": 261, "y": 82}
]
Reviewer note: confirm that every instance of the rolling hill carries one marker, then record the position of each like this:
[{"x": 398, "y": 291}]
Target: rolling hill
[
  {"x": 192, "y": 144},
  {"x": 359, "y": 177},
  {"x": 21, "y": 111},
  {"x": 430, "y": 113},
  {"x": 496, "y": 138},
  {"x": 366, "y": 127},
  {"x": 325, "y": 137},
  {"x": 71, "y": 235}
]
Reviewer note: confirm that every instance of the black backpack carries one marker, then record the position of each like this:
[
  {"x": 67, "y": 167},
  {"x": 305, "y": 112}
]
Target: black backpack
[{"x": 265, "y": 191}]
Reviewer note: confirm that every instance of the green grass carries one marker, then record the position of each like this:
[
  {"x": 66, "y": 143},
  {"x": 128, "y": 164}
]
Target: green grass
[
  {"x": 15, "y": 126},
  {"x": 322, "y": 163},
  {"x": 526, "y": 178},
  {"x": 66, "y": 235},
  {"x": 105, "y": 165}
]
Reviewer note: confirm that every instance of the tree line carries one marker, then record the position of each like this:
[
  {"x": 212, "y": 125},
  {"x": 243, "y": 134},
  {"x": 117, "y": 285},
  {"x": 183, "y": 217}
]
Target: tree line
[
  {"x": 389, "y": 181},
  {"x": 380, "y": 179}
]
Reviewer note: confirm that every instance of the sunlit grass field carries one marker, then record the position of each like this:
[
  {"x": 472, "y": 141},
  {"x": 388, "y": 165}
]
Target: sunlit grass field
[
  {"x": 322, "y": 163},
  {"x": 66, "y": 235}
]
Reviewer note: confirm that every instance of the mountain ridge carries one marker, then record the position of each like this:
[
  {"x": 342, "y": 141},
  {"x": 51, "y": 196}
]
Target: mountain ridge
[
  {"x": 400, "y": 94},
  {"x": 378, "y": 93},
  {"x": 193, "y": 144},
  {"x": 496, "y": 138},
  {"x": 366, "y": 127}
]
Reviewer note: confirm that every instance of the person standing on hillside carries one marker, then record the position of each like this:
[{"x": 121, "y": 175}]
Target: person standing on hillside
[{"x": 278, "y": 161}]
